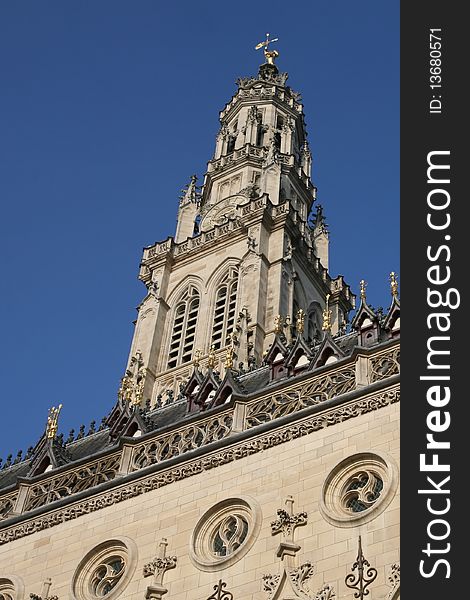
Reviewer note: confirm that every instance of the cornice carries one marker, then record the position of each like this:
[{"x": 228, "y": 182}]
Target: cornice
[{"x": 232, "y": 448}]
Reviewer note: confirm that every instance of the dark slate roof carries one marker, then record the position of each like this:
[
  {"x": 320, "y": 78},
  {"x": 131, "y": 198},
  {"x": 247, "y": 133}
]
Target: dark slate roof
[
  {"x": 9, "y": 475},
  {"x": 167, "y": 415},
  {"x": 89, "y": 445},
  {"x": 255, "y": 380}
]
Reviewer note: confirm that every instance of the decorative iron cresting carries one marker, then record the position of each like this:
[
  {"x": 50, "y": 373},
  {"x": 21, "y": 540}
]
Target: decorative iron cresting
[
  {"x": 220, "y": 593},
  {"x": 364, "y": 577}
]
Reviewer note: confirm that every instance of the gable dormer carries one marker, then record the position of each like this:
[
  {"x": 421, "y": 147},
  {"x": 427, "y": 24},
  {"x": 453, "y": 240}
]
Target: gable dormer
[
  {"x": 49, "y": 453},
  {"x": 366, "y": 322},
  {"x": 328, "y": 352},
  {"x": 276, "y": 356},
  {"x": 299, "y": 356},
  {"x": 392, "y": 320}
]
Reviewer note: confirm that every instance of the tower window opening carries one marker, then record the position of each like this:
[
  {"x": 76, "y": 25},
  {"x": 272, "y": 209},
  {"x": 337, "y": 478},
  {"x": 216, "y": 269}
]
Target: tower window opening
[
  {"x": 279, "y": 122},
  {"x": 259, "y": 136},
  {"x": 225, "y": 310},
  {"x": 184, "y": 328}
]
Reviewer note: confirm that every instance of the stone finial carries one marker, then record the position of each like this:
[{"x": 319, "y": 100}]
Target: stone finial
[
  {"x": 44, "y": 592},
  {"x": 287, "y": 522},
  {"x": 52, "y": 421}
]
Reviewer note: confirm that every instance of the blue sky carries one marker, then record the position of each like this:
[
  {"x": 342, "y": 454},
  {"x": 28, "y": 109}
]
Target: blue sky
[{"x": 106, "y": 110}]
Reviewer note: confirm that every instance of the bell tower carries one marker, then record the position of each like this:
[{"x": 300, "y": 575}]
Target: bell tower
[{"x": 250, "y": 250}]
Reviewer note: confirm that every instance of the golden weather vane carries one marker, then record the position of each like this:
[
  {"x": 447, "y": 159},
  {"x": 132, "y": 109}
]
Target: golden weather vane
[{"x": 270, "y": 55}]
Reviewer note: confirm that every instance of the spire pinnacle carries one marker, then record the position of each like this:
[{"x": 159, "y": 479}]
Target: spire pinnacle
[
  {"x": 327, "y": 315},
  {"x": 52, "y": 421},
  {"x": 394, "y": 284},
  {"x": 363, "y": 285}
]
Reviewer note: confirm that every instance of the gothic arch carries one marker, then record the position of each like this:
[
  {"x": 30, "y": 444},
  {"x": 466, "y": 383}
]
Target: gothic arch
[
  {"x": 223, "y": 301},
  {"x": 185, "y": 303},
  {"x": 314, "y": 321}
]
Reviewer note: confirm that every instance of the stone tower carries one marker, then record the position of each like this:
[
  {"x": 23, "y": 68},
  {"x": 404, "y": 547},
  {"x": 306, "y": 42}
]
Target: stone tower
[
  {"x": 245, "y": 254},
  {"x": 253, "y": 450}
]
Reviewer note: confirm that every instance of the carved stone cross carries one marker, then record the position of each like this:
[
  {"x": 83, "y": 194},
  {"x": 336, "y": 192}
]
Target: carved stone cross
[
  {"x": 286, "y": 524},
  {"x": 44, "y": 592},
  {"x": 158, "y": 567}
]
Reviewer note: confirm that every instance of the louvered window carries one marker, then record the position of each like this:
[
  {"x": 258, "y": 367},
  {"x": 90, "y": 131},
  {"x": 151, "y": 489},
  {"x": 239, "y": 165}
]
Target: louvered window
[
  {"x": 225, "y": 310},
  {"x": 184, "y": 328}
]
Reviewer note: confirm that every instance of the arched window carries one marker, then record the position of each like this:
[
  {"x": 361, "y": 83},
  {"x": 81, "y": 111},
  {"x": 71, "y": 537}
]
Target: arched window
[
  {"x": 184, "y": 328},
  {"x": 225, "y": 309}
]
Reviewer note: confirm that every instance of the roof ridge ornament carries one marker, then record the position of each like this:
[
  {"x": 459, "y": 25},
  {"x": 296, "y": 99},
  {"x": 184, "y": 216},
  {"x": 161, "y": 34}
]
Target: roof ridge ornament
[
  {"x": 327, "y": 315},
  {"x": 394, "y": 284},
  {"x": 52, "y": 422}
]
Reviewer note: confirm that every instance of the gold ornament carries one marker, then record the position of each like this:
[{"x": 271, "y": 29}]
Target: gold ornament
[
  {"x": 363, "y": 285},
  {"x": 327, "y": 315},
  {"x": 211, "y": 359},
  {"x": 394, "y": 284},
  {"x": 300, "y": 324},
  {"x": 278, "y": 324},
  {"x": 52, "y": 422},
  {"x": 270, "y": 55},
  {"x": 197, "y": 357}
]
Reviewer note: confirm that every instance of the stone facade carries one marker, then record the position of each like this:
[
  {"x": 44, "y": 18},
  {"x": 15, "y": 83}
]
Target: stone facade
[{"x": 253, "y": 450}]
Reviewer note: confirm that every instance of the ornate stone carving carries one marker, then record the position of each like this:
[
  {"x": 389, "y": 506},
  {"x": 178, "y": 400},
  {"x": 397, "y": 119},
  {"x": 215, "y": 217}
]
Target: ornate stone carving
[
  {"x": 292, "y": 399},
  {"x": 292, "y": 581},
  {"x": 158, "y": 567},
  {"x": 237, "y": 451},
  {"x": 287, "y": 522},
  {"x": 394, "y": 581},
  {"x": 7, "y": 504},
  {"x": 72, "y": 482},
  {"x": 385, "y": 364},
  {"x": 180, "y": 441}
]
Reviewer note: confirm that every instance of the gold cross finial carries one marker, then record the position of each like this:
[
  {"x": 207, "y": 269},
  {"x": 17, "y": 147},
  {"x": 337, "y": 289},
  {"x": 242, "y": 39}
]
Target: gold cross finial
[
  {"x": 363, "y": 285},
  {"x": 270, "y": 55},
  {"x": 52, "y": 421},
  {"x": 327, "y": 315},
  {"x": 394, "y": 284}
]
